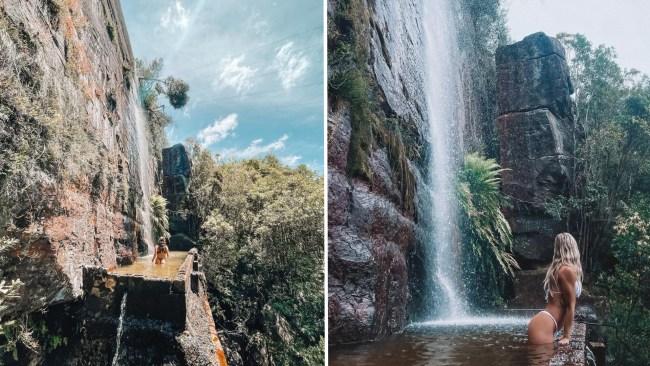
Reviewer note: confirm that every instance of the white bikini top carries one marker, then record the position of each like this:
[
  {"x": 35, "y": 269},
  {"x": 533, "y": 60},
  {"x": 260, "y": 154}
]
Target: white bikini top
[{"x": 578, "y": 290}]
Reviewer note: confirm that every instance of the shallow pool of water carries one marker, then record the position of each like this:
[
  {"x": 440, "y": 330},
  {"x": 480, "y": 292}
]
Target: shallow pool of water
[
  {"x": 469, "y": 341},
  {"x": 145, "y": 267}
]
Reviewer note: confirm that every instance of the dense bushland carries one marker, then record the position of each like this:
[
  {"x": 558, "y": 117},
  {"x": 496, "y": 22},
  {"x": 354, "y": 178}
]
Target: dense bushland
[
  {"x": 262, "y": 244},
  {"x": 626, "y": 287},
  {"x": 608, "y": 205}
]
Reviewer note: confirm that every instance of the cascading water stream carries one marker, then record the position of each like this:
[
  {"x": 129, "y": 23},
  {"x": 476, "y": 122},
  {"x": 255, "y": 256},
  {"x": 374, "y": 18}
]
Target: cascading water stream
[
  {"x": 120, "y": 326},
  {"x": 445, "y": 110},
  {"x": 141, "y": 145}
]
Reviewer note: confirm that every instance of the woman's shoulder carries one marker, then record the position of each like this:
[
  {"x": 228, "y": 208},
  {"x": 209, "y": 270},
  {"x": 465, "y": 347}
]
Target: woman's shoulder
[{"x": 568, "y": 273}]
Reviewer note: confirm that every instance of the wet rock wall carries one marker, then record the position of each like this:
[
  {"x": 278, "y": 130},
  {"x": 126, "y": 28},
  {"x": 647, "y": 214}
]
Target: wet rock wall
[{"x": 372, "y": 223}]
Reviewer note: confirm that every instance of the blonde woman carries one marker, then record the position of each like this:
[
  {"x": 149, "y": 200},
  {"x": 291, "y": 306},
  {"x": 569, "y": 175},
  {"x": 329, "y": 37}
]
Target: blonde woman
[
  {"x": 160, "y": 252},
  {"x": 563, "y": 284}
]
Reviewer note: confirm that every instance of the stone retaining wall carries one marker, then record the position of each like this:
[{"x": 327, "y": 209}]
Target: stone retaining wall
[{"x": 172, "y": 314}]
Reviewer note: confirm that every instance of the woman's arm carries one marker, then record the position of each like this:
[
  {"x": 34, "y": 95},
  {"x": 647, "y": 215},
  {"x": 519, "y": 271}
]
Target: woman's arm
[
  {"x": 155, "y": 252},
  {"x": 567, "y": 282}
]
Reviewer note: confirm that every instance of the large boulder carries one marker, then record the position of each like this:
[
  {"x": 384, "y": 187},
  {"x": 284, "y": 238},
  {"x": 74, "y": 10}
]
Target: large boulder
[
  {"x": 183, "y": 223},
  {"x": 537, "y": 138}
]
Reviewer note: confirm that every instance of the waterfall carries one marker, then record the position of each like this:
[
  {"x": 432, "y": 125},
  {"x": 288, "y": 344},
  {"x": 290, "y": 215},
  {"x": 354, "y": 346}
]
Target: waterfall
[
  {"x": 445, "y": 112},
  {"x": 120, "y": 326},
  {"x": 145, "y": 176}
]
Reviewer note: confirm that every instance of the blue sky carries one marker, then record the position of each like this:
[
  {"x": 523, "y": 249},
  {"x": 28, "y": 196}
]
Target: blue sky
[{"x": 255, "y": 70}]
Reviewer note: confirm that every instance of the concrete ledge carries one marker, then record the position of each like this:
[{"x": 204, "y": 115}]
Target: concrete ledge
[
  {"x": 574, "y": 353},
  {"x": 148, "y": 298}
]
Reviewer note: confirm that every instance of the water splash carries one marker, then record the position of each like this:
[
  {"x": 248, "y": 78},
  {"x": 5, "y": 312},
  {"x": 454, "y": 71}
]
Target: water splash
[
  {"x": 445, "y": 111},
  {"x": 120, "y": 325},
  {"x": 473, "y": 321}
]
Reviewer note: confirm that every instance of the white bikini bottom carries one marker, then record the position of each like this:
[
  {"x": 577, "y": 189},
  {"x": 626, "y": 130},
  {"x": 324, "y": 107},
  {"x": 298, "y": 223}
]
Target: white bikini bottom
[{"x": 550, "y": 316}]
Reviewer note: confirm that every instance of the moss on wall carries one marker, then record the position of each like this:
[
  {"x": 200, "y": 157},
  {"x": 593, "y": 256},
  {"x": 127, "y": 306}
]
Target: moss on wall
[{"x": 350, "y": 79}]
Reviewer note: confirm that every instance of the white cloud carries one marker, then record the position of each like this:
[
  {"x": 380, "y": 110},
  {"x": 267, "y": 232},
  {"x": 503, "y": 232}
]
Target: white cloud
[
  {"x": 258, "y": 24},
  {"x": 176, "y": 17},
  {"x": 290, "y": 160},
  {"x": 218, "y": 130},
  {"x": 290, "y": 64},
  {"x": 234, "y": 74},
  {"x": 255, "y": 149}
]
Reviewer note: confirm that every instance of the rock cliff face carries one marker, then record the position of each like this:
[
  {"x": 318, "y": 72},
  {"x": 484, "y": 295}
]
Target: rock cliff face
[
  {"x": 176, "y": 171},
  {"x": 371, "y": 230},
  {"x": 536, "y": 132},
  {"x": 70, "y": 178}
]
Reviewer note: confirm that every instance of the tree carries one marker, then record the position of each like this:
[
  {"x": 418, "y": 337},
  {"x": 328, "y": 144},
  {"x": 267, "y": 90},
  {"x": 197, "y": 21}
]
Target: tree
[
  {"x": 152, "y": 86},
  {"x": 176, "y": 90},
  {"x": 613, "y": 152},
  {"x": 206, "y": 180},
  {"x": 627, "y": 288}
]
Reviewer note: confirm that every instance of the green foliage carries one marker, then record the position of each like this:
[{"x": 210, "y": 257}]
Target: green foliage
[
  {"x": 110, "y": 30},
  {"x": 599, "y": 82},
  {"x": 176, "y": 90},
  {"x": 149, "y": 90},
  {"x": 32, "y": 333},
  {"x": 205, "y": 183},
  {"x": 17, "y": 332},
  {"x": 613, "y": 145},
  {"x": 609, "y": 206},
  {"x": 151, "y": 86},
  {"x": 349, "y": 82},
  {"x": 159, "y": 217},
  {"x": 486, "y": 234},
  {"x": 148, "y": 73},
  {"x": 263, "y": 258},
  {"x": 41, "y": 125},
  {"x": 627, "y": 288}
]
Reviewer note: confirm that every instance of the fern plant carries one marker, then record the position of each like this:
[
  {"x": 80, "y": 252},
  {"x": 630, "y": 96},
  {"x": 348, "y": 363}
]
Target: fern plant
[
  {"x": 159, "y": 218},
  {"x": 487, "y": 237}
]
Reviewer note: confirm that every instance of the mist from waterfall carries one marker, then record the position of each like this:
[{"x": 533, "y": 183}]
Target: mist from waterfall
[
  {"x": 145, "y": 174},
  {"x": 445, "y": 112}
]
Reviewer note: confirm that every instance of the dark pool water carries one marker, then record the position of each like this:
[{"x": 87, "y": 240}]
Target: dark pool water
[{"x": 472, "y": 342}]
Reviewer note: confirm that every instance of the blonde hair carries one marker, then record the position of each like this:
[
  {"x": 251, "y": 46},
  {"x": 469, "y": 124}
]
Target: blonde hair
[{"x": 565, "y": 253}]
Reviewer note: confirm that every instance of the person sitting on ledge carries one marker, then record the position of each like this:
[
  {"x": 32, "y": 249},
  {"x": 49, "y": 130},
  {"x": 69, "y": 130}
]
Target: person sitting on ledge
[{"x": 160, "y": 252}]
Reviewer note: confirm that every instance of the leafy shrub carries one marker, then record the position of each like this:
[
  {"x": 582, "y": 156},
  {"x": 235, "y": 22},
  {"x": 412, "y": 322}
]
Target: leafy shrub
[
  {"x": 159, "y": 218},
  {"x": 486, "y": 234},
  {"x": 176, "y": 90},
  {"x": 206, "y": 180},
  {"x": 627, "y": 288}
]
